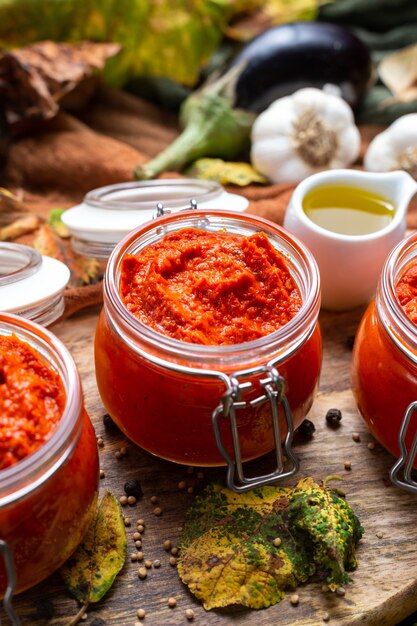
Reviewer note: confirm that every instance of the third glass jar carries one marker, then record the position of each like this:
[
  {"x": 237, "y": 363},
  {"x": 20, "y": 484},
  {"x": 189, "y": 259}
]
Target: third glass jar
[{"x": 384, "y": 366}]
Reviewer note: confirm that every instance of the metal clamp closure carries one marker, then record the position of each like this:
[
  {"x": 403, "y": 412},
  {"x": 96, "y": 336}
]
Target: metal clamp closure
[
  {"x": 161, "y": 210},
  {"x": 407, "y": 458},
  {"x": 11, "y": 583},
  {"x": 273, "y": 385}
]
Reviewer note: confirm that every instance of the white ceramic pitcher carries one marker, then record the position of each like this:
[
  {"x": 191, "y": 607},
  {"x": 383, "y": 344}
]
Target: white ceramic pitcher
[{"x": 350, "y": 265}]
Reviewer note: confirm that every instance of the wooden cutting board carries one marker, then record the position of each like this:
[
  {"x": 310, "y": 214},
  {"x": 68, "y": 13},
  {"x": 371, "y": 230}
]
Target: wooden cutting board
[{"x": 384, "y": 587}]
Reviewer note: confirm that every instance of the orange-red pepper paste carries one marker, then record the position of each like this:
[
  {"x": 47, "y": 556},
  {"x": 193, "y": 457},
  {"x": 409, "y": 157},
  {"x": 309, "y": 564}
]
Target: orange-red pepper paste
[
  {"x": 214, "y": 288},
  {"x": 406, "y": 290},
  {"x": 32, "y": 400}
]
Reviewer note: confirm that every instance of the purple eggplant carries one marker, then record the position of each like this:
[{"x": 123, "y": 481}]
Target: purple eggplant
[{"x": 285, "y": 58}]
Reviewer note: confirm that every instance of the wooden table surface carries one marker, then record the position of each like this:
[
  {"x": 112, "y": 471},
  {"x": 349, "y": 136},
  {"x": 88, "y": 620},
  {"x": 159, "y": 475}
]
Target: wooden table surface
[{"x": 384, "y": 587}]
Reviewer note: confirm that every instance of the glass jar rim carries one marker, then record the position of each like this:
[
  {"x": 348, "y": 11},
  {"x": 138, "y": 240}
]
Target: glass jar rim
[
  {"x": 393, "y": 317},
  {"x": 26, "y": 475},
  {"x": 107, "y": 214},
  {"x": 116, "y": 197},
  {"x": 294, "y": 252},
  {"x": 17, "y": 262},
  {"x": 31, "y": 285}
]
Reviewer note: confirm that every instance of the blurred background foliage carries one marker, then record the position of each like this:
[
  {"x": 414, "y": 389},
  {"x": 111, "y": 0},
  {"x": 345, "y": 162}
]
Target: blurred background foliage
[{"x": 169, "y": 48}]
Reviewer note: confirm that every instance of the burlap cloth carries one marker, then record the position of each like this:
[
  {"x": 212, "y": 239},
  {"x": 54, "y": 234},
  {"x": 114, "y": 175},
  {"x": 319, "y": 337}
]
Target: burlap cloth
[{"x": 65, "y": 157}]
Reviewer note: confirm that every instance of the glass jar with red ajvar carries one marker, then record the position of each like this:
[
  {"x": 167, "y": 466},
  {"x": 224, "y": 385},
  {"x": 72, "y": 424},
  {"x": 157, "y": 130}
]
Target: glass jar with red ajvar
[
  {"x": 384, "y": 366},
  {"x": 48, "y": 455},
  {"x": 209, "y": 366}
]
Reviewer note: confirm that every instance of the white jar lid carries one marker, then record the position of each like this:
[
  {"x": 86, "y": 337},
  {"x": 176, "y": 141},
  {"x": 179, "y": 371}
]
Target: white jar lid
[
  {"x": 107, "y": 214},
  {"x": 31, "y": 285}
]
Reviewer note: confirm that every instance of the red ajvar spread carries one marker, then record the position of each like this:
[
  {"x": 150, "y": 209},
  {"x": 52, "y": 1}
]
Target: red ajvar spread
[
  {"x": 406, "y": 290},
  {"x": 214, "y": 288},
  {"x": 32, "y": 400}
]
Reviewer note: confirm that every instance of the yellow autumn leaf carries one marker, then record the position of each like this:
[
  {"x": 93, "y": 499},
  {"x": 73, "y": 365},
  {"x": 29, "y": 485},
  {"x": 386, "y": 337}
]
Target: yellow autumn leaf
[
  {"x": 21, "y": 226},
  {"x": 271, "y": 13},
  {"x": 224, "y": 565},
  {"x": 249, "y": 548},
  {"x": 225, "y": 172},
  {"x": 91, "y": 570}
]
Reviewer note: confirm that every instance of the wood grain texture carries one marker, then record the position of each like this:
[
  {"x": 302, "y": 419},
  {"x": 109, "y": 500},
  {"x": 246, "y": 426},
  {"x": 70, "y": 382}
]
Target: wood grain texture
[{"x": 384, "y": 587}]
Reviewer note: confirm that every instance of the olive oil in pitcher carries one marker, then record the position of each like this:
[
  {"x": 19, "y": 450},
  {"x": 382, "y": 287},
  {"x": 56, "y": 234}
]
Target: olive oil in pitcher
[{"x": 348, "y": 210}]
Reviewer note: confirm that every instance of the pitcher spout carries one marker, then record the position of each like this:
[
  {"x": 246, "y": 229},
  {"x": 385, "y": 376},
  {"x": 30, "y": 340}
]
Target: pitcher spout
[{"x": 405, "y": 187}]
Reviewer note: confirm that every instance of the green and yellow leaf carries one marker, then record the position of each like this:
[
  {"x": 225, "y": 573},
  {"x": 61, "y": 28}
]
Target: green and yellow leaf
[
  {"x": 228, "y": 552},
  {"x": 318, "y": 515},
  {"x": 55, "y": 221},
  {"x": 225, "y": 172},
  {"x": 163, "y": 38},
  {"x": 91, "y": 570}
]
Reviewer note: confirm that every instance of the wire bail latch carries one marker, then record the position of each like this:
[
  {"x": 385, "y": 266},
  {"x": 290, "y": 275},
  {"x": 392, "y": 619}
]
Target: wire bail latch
[
  {"x": 407, "y": 458},
  {"x": 161, "y": 210},
  {"x": 11, "y": 583},
  {"x": 273, "y": 386}
]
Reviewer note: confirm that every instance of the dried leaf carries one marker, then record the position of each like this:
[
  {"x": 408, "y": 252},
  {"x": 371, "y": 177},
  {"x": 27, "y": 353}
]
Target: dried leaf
[
  {"x": 91, "y": 570},
  {"x": 11, "y": 207},
  {"x": 35, "y": 78},
  {"x": 18, "y": 228},
  {"x": 77, "y": 299},
  {"x": 225, "y": 172},
  {"x": 84, "y": 270},
  {"x": 398, "y": 71},
  {"x": 228, "y": 554},
  {"x": 271, "y": 13}
]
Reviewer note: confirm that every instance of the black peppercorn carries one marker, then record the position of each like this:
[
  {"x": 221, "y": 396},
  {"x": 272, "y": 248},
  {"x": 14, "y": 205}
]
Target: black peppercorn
[
  {"x": 44, "y": 609},
  {"x": 333, "y": 417},
  {"x": 109, "y": 424},
  {"x": 350, "y": 341},
  {"x": 132, "y": 488},
  {"x": 97, "y": 621},
  {"x": 306, "y": 429}
]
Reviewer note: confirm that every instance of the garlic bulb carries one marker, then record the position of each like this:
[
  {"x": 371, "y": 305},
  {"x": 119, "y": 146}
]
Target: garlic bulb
[
  {"x": 307, "y": 132},
  {"x": 395, "y": 148}
]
